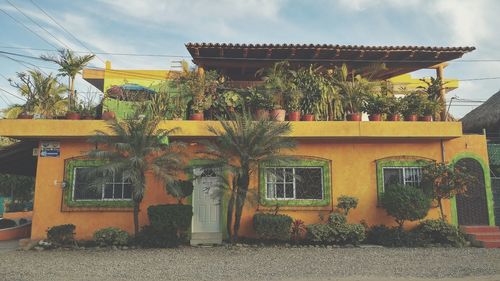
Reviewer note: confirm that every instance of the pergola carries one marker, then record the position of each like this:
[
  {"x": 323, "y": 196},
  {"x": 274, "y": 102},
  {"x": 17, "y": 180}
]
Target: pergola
[{"x": 240, "y": 61}]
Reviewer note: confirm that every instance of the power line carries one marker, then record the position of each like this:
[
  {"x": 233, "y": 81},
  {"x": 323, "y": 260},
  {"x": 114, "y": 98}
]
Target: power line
[
  {"x": 23, "y": 99},
  {"x": 33, "y": 21},
  {"x": 21, "y": 55},
  {"x": 29, "y": 29},
  {"x": 63, "y": 28}
]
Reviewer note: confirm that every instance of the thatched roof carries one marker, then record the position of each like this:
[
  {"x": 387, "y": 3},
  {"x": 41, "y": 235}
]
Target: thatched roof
[{"x": 486, "y": 116}]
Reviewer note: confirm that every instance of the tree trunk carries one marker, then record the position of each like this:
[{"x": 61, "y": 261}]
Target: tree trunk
[
  {"x": 136, "y": 218},
  {"x": 230, "y": 209},
  {"x": 72, "y": 92},
  {"x": 440, "y": 204},
  {"x": 241, "y": 195}
]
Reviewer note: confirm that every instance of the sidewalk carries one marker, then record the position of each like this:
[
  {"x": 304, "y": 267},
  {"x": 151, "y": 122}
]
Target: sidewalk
[{"x": 9, "y": 245}]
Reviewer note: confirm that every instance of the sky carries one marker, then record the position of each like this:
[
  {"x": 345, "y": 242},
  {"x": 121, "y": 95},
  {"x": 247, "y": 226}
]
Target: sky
[{"x": 145, "y": 27}]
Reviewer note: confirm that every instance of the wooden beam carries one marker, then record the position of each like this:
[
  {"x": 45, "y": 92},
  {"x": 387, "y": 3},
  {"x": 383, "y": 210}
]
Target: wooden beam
[
  {"x": 221, "y": 52},
  {"x": 197, "y": 52},
  {"x": 317, "y": 52},
  {"x": 293, "y": 52},
  {"x": 245, "y": 53},
  {"x": 442, "y": 92},
  {"x": 269, "y": 53}
]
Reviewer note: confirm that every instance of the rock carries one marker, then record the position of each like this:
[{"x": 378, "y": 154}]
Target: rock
[
  {"x": 239, "y": 245},
  {"x": 27, "y": 244},
  {"x": 114, "y": 247},
  {"x": 38, "y": 248},
  {"x": 124, "y": 248}
]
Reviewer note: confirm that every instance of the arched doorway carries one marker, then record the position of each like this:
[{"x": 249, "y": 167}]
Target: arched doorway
[{"x": 472, "y": 208}]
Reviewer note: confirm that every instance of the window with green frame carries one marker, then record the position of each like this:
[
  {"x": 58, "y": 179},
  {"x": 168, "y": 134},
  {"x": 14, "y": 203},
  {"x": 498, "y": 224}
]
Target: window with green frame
[
  {"x": 399, "y": 171},
  {"x": 298, "y": 182},
  {"x": 79, "y": 193}
]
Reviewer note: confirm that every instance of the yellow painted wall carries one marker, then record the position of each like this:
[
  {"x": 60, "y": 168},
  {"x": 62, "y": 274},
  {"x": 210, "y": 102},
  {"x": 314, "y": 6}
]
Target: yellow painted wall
[
  {"x": 146, "y": 78},
  {"x": 353, "y": 173}
]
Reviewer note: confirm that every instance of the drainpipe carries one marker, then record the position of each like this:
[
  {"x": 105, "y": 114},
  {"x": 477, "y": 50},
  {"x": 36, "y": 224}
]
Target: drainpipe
[{"x": 443, "y": 151}]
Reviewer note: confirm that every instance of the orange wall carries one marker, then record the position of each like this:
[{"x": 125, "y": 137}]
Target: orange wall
[{"x": 353, "y": 173}]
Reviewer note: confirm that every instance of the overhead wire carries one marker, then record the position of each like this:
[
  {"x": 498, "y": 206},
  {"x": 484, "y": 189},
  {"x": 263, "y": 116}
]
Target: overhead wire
[{"x": 39, "y": 25}]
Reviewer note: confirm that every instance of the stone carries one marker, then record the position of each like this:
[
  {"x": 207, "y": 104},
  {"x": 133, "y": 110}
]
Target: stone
[{"x": 38, "y": 248}]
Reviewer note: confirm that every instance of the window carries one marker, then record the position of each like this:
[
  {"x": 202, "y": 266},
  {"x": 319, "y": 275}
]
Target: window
[
  {"x": 114, "y": 188},
  {"x": 301, "y": 182},
  {"x": 294, "y": 183},
  {"x": 410, "y": 176}
]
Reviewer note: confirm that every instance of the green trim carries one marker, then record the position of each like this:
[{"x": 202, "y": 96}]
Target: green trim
[
  {"x": 327, "y": 185},
  {"x": 487, "y": 184},
  {"x": 69, "y": 174},
  {"x": 200, "y": 163},
  {"x": 392, "y": 162}
]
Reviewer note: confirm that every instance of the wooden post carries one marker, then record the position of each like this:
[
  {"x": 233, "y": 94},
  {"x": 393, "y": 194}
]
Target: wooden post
[{"x": 442, "y": 91}]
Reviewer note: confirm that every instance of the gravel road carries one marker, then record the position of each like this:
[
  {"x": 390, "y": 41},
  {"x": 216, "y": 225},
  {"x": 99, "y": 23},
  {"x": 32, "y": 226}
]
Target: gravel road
[{"x": 242, "y": 263}]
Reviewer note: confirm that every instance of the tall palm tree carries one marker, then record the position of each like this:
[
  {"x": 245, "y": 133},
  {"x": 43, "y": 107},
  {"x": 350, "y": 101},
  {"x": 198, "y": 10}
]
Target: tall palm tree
[
  {"x": 134, "y": 148},
  {"x": 238, "y": 148},
  {"x": 44, "y": 95},
  {"x": 70, "y": 65}
]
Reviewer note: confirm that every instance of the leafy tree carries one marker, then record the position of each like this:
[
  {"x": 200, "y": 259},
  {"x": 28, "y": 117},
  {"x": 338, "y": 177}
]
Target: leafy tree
[
  {"x": 238, "y": 148},
  {"x": 44, "y": 95},
  {"x": 70, "y": 65},
  {"x": 180, "y": 189},
  {"x": 405, "y": 203},
  {"x": 134, "y": 148},
  {"x": 346, "y": 203},
  {"x": 19, "y": 188},
  {"x": 445, "y": 181}
]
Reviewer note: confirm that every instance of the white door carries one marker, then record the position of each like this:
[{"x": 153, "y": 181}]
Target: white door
[{"x": 206, "y": 205}]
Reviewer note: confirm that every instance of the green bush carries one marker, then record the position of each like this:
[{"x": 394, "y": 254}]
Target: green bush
[
  {"x": 61, "y": 234},
  {"x": 319, "y": 233},
  {"x": 336, "y": 231},
  {"x": 440, "y": 232},
  {"x": 405, "y": 203},
  {"x": 111, "y": 236},
  {"x": 178, "y": 216},
  {"x": 272, "y": 227},
  {"x": 6, "y": 223},
  {"x": 392, "y": 237},
  {"x": 347, "y": 203},
  {"x": 337, "y": 219},
  {"x": 155, "y": 237}
]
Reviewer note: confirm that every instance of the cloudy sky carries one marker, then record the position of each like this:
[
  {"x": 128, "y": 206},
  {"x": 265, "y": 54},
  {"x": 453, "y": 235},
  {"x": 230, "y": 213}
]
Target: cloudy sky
[{"x": 145, "y": 27}]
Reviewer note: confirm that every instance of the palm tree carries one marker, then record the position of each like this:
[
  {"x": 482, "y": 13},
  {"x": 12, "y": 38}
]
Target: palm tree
[
  {"x": 44, "y": 95},
  {"x": 134, "y": 148},
  {"x": 238, "y": 149},
  {"x": 70, "y": 65}
]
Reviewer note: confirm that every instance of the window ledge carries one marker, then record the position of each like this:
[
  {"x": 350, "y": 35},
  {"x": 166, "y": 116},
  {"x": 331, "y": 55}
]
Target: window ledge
[{"x": 295, "y": 208}]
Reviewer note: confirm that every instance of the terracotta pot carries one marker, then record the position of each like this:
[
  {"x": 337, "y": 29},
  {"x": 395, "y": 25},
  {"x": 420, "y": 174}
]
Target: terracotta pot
[
  {"x": 24, "y": 115},
  {"x": 412, "y": 118},
  {"x": 261, "y": 114},
  {"x": 108, "y": 115},
  {"x": 87, "y": 117},
  {"x": 198, "y": 116},
  {"x": 426, "y": 118},
  {"x": 375, "y": 117},
  {"x": 294, "y": 116},
  {"x": 308, "y": 117},
  {"x": 72, "y": 116},
  {"x": 278, "y": 114},
  {"x": 396, "y": 117},
  {"x": 354, "y": 117}
]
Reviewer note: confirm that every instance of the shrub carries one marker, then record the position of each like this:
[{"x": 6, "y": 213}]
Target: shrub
[
  {"x": 6, "y": 223},
  {"x": 298, "y": 230},
  {"x": 336, "y": 231},
  {"x": 111, "y": 236},
  {"x": 405, "y": 203},
  {"x": 272, "y": 227},
  {"x": 319, "y": 233},
  {"x": 61, "y": 234},
  {"x": 154, "y": 237},
  {"x": 337, "y": 219},
  {"x": 177, "y": 216},
  {"x": 347, "y": 203},
  {"x": 393, "y": 237},
  {"x": 440, "y": 232},
  {"x": 180, "y": 190}
]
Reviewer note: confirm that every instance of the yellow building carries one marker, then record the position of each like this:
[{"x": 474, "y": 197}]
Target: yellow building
[{"x": 342, "y": 157}]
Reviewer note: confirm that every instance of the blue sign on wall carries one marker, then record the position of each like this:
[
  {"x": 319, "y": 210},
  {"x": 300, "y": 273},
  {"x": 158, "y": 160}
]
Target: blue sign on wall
[{"x": 50, "y": 149}]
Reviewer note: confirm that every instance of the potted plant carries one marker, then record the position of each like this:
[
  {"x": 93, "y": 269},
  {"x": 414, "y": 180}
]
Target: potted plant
[
  {"x": 411, "y": 105},
  {"x": 260, "y": 102},
  {"x": 393, "y": 108},
  {"x": 73, "y": 112},
  {"x": 201, "y": 86},
  {"x": 428, "y": 109},
  {"x": 293, "y": 104},
  {"x": 375, "y": 106},
  {"x": 353, "y": 89},
  {"x": 231, "y": 100},
  {"x": 278, "y": 81}
]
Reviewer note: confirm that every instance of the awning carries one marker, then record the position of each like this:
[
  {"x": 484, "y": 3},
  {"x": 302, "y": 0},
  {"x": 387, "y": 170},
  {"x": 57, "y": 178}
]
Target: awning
[{"x": 18, "y": 159}]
